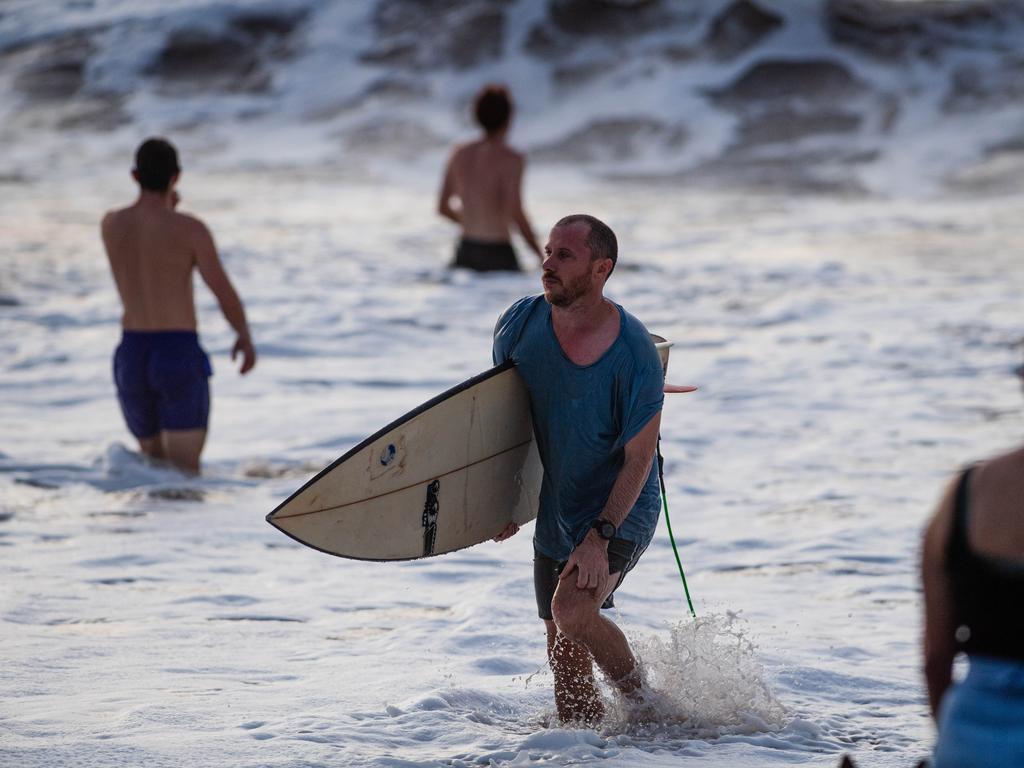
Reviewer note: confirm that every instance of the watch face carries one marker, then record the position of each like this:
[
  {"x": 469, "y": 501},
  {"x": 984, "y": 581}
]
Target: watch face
[{"x": 604, "y": 529}]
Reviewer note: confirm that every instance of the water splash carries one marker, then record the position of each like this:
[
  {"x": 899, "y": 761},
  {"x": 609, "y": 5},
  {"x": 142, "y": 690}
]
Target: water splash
[{"x": 703, "y": 680}]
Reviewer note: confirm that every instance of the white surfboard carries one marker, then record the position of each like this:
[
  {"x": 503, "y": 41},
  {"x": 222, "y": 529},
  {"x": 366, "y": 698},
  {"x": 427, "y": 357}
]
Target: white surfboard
[{"x": 450, "y": 474}]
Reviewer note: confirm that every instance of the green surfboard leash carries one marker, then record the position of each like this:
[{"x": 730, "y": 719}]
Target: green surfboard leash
[{"x": 668, "y": 524}]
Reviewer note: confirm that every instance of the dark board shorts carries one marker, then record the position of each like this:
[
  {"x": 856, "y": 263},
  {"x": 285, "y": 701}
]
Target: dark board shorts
[
  {"x": 161, "y": 379},
  {"x": 622, "y": 557},
  {"x": 485, "y": 256}
]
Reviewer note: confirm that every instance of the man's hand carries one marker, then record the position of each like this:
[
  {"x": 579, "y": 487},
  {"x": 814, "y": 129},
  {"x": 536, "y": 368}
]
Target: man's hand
[
  {"x": 590, "y": 561},
  {"x": 244, "y": 346},
  {"x": 510, "y": 530}
]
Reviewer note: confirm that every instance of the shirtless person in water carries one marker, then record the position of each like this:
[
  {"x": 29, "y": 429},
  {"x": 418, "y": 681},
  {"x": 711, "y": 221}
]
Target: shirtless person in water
[
  {"x": 160, "y": 370},
  {"x": 485, "y": 176}
]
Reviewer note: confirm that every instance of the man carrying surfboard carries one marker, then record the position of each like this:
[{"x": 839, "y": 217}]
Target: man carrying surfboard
[
  {"x": 486, "y": 177},
  {"x": 160, "y": 370},
  {"x": 595, "y": 384}
]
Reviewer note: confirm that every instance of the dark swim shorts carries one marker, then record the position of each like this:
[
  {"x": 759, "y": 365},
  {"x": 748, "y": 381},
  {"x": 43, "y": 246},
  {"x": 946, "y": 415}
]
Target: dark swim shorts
[
  {"x": 162, "y": 381},
  {"x": 485, "y": 256},
  {"x": 622, "y": 557}
]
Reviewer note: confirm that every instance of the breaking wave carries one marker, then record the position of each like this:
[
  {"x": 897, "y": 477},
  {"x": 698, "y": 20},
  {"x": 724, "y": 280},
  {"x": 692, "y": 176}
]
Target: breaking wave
[{"x": 842, "y": 96}]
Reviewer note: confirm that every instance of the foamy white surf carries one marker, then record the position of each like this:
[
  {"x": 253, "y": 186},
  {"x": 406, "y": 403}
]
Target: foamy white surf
[
  {"x": 892, "y": 98},
  {"x": 851, "y": 354}
]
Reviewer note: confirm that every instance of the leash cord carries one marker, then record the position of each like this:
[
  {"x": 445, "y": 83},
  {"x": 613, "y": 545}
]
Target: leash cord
[{"x": 668, "y": 524}]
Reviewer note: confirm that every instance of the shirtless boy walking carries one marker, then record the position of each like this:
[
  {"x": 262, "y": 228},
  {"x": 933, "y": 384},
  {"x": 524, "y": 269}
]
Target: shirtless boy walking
[
  {"x": 160, "y": 370},
  {"x": 486, "y": 176}
]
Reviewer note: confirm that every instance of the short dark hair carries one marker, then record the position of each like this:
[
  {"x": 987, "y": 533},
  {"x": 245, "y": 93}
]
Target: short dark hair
[
  {"x": 600, "y": 239},
  {"x": 156, "y": 163},
  {"x": 493, "y": 108}
]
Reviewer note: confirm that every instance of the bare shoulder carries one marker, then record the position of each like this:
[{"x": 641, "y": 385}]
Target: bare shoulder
[
  {"x": 515, "y": 165},
  {"x": 190, "y": 225},
  {"x": 512, "y": 158},
  {"x": 937, "y": 531},
  {"x": 515, "y": 155},
  {"x": 999, "y": 479},
  {"x": 1009, "y": 463},
  {"x": 111, "y": 219},
  {"x": 459, "y": 151},
  {"x": 187, "y": 220}
]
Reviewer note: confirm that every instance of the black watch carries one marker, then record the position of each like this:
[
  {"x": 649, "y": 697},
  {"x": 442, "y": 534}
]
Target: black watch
[{"x": 604, "y": 528}]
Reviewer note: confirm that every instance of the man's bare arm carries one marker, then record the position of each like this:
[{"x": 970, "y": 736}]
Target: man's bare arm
[
  {"x": 444, "y": 203},
  {"x": 213, "y": 274},
  {"x": 518, "y": 214},
  {"x": 590, "y": 558},
  {"x": 635, "y": 470}
]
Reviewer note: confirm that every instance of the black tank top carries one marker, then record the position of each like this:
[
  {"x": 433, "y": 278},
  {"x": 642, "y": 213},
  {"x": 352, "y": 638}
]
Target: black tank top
[{"x": 988, "y": 592}]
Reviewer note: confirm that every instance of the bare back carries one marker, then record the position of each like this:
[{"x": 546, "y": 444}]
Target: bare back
[
  {"x": 152, "y": 252},
  {"x": 486, "y": 175},
  {"x": 995, "y": 522},
  {"x": 995, "y": 526}
]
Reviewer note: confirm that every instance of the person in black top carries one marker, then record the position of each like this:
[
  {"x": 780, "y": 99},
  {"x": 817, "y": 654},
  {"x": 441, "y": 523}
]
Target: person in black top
[{"x": 973, "y": 576}]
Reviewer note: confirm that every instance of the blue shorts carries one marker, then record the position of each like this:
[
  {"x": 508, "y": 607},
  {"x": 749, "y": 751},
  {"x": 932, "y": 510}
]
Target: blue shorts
[
  {"x": 162, "y": 381},
  {"x": 981, "y": 720}
]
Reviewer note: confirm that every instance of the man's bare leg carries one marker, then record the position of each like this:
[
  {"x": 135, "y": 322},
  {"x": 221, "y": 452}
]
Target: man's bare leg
[
  {"x": 182, "y": 448},
  {"x": 577, "y": 616},
  {"x": 152, "y": 446},
  {"x": 576, "y": 695}
]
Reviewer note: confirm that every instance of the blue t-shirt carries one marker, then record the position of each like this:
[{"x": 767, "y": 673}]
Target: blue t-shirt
[{"x": 583, "y": 416}]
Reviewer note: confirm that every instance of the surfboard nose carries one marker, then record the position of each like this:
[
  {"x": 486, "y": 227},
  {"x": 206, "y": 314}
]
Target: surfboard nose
[{"x": 662, "y": 345}]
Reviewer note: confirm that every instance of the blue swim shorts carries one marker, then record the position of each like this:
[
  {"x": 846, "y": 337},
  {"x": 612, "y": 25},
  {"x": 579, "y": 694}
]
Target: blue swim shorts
[{"x": 162, "y": 381}]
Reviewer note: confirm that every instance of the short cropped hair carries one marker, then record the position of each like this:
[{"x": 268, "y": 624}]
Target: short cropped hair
[
  {"x": 156, "y": 163},
  {"x": 493, "y": 108},
  {"x": 600, "y": 239}
]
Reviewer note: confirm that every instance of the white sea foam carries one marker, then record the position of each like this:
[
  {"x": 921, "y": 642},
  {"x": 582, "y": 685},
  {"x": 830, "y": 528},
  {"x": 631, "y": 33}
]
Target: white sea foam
[
  {"x": 896, "y": 109},
  {"x": 850, "y": 356}
]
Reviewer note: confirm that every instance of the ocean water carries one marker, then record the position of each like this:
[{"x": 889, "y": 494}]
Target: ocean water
[{"x": 853, "y": 329}]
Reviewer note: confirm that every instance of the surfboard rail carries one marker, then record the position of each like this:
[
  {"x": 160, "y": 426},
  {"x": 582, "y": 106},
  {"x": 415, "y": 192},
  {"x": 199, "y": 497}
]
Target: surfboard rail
[{"x": 495, "y": 470}]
